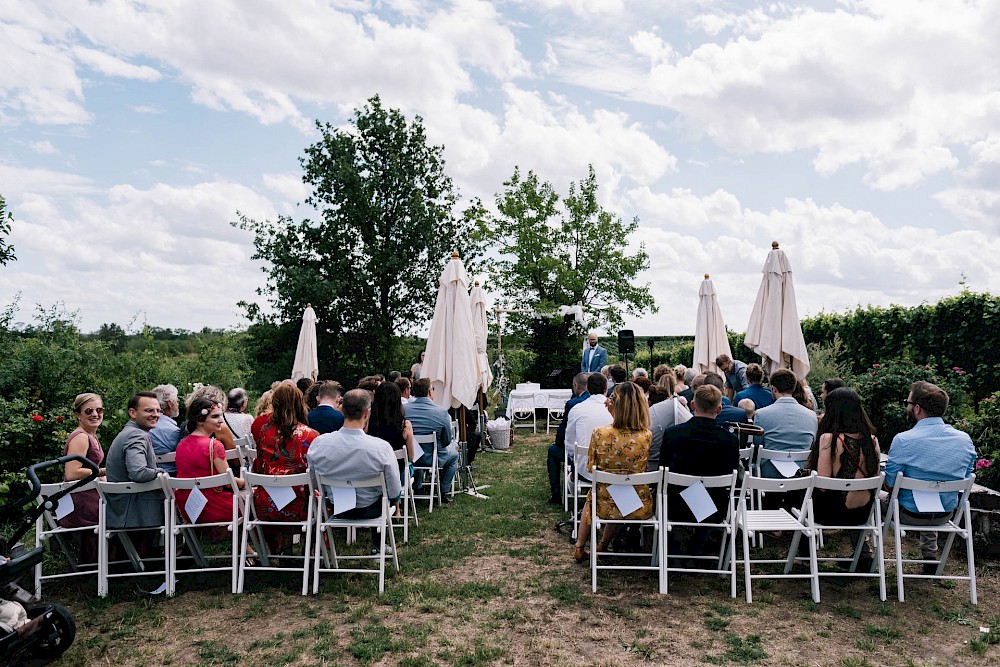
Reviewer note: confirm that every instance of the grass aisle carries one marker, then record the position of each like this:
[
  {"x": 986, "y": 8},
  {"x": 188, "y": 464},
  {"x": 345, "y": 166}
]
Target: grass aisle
[{"x": 489, "y": 582}]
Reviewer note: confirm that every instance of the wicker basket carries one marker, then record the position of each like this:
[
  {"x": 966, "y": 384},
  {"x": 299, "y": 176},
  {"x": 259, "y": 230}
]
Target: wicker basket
[{"x": 499, "y": 437}]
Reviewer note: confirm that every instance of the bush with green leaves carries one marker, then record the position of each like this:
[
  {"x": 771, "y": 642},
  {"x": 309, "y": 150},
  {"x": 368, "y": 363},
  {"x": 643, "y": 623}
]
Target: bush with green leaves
[{"x": 984, "y": 427}]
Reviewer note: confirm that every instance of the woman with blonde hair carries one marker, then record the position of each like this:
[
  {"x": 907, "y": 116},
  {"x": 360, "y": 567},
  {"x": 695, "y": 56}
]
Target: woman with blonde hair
[
  {"x": 622, "y": 448},
  {"x": 89, "y": 412}
]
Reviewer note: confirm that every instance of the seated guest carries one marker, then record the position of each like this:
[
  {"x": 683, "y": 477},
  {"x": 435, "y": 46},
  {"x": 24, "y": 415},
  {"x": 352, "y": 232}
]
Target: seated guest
[
  {"x": 303, "y": 384},
  {"x": 281, "y": 450},
  {"x": 680, "y": 382},
  {"x": 557, "y": 452},
  {"x": 585, "y": 417},
  {"x": 804, "y": 396},
  {"x": 89, "y": 412},
  {"x": 261, "y": 413},
  {"x": 131, "y": 459},
  {"x": 236, "y": 416},
  {"x": 747, "y": 405},
  {"x": 829, "y": 385},
  {"x": 309, "y": 396},
  {"x": 428, "y": 418},
  {"x": 199, "y": 454},
  {"x": 643, "y": 382},
  {"x": 735, "y": 372},
  {"x": 369, "y": 382},
  {"x": 393, "y": 376},
  {"x": 326, "y": 416},
  {"x": 216, "y": 395},
  {"x": 621, "y": 447},
  {"x": 639, "y": 373},
  {"x": 700, "y": 447},
  {"x": 166, "y": 434},
  {"x": 387, "y": 422},
  {"x": 845, "y": 448},
  {"x": 760, "y": 396},
  {"x": 728, "y": 413},
  {"x": 618, "y": 375},
  {"x": 931, "y": 451},
  {"x": 663, "y": 415},
  {"x": 787, "y": 425},
  {"x": 404, "y": 389},
  {"x": 350, "y": 454}
]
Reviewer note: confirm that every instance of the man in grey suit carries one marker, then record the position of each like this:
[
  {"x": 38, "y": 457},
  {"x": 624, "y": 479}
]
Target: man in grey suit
[
  {"x": 787, "y": 425},
  {"x": 594, "y": 357},
  {"x": 131, "y": 459},
  {"x": 426, "y": 418}
]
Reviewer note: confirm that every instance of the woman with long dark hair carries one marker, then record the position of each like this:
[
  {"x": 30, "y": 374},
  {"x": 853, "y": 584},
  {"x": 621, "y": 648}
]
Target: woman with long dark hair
[
  {"x": 845, "y": 448},
  {"x": 387, "y": 422},
  {"x": 281, "y": 450}
]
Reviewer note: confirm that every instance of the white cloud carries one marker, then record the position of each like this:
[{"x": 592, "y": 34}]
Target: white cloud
[
  {"x": 43, "y": 148},
  {"x": 109, "y": 65}
]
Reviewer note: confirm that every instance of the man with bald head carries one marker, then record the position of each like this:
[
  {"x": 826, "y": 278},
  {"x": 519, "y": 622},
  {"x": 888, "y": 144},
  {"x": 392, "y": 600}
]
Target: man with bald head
[{"x": 594, "y": 356}]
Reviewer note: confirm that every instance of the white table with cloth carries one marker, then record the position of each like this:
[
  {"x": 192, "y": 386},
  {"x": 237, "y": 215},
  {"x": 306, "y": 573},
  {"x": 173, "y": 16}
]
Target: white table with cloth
[{"x": 529, "y": 396}]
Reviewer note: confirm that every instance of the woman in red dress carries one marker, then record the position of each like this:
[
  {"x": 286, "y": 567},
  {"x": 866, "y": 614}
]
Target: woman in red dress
[
  {"x": 281, "y": 450},
  {"x": 200, "y": 454}
]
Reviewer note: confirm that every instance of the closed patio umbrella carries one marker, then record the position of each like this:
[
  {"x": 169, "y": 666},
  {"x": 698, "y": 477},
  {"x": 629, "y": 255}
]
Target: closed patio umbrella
[
  {"x": 306, "y": 360},
  {"x": 478, "y": 299},
  {"x": 710, "y": 339},
  {"x": 774, "y": 331},
  {"x": 450, "y": 363}
]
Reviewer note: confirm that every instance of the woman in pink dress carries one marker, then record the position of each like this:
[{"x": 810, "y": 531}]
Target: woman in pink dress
[
  {"x": 200, "y": 454},
  {"x": 89, "y": 411}
]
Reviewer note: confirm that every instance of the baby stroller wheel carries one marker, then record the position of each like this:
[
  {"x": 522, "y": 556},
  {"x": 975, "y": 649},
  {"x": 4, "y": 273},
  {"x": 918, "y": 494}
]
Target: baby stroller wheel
[{"x": 56, "y": 633}]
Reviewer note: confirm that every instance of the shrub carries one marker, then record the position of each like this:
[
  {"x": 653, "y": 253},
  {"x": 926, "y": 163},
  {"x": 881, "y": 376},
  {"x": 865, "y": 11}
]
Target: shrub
[{"x": 984, "y": 427}]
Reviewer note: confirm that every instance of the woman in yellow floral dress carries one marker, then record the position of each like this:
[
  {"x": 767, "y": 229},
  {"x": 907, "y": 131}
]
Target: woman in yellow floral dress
[{"x": 622, "y": 448}]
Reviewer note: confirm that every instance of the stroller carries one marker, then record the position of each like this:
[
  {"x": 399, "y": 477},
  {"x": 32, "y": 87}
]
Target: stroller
[{"x": 50, "y": 628}]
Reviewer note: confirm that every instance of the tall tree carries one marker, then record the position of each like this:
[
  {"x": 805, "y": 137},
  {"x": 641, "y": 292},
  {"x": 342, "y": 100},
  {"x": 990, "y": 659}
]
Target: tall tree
[
  {"x": 6, "y": 219},
  {"x": 369, "y": 266},
  {"x": 552, "y": 255}
]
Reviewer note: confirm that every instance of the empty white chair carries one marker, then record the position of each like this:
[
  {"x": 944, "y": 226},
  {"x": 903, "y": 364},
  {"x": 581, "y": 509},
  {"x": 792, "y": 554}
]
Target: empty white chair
[
  {"x": 758, "y": 520},
  {"x": 406, "y": 501},
  {"x": 251, "y": 522},
  {"x": 521, "y": 408},
  {"x": 325, "y": 522},
  {"x": 958, "y": 524},
  {"x": 554, "y": 411},
  {"x": 725, "y": 559}
]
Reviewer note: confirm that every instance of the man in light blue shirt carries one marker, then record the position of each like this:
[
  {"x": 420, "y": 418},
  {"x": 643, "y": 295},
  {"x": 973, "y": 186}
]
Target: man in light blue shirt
[
  {"x": 735, "y": 373},
  {"x": 788, "y": 426},
  {"x": 166, "y": 435},
  {"x": 931, "y": 451},
  {"x": 426, "y": 418},
  {"x": 350, "y": 454}
]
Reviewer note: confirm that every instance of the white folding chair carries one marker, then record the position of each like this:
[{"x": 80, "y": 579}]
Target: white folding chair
[
  {"x": 325, "y": 522},
  {"x": 959, "y": 524},
  {"x": 759, "y": 520},
  {"x": 725, "y": 559},
  {"x": 633, "y": 480},
  {"x": 872, "y": 526},
  {"x": 567, "y": 477},
  {"x": 252, "y": 523},
  {"x": 181, "y": 523},
  {"x": 522, "y": 410},
  {"x": 169, "y": 457},
  {"x": 47, "y": 528},
  {"x": 580, "y": 484},
  {"x": 105, "y": 532},
  {"x": 432, "y": 485},
  {"x": 406, "y": 500},
  {"x": 554, "y": 412},
  {"x": 785, "y": 462}
]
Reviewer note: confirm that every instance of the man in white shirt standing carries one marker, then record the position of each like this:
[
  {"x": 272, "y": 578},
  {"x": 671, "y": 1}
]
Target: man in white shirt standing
[{"x": 585, "y": 417}]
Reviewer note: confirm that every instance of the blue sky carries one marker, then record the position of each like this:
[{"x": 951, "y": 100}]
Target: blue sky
[{"x": 863, "y": 135}]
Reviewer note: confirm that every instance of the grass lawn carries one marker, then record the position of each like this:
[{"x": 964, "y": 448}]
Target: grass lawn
[{"x": 489, "y": 582}]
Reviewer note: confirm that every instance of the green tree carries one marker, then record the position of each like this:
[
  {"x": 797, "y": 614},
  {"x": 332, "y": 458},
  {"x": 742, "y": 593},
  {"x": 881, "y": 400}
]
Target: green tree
[
  {"x": 552, "y": 255},
  {"x": 369, "y": 266},
  {"x": 6, "y": 249}
]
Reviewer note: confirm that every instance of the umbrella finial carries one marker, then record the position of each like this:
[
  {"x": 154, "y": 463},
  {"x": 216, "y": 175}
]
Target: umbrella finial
[
  {"x": 475, "y": 283},
  {"x": 309, "y": 305},
  {"x": 454, "y": 254},
  {"x": 774, "y": 245},
  {"x": 706, "y": 276}
]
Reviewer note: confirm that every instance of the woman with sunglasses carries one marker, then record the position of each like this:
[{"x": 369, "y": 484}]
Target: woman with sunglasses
[{"x": 89, "y": 412}]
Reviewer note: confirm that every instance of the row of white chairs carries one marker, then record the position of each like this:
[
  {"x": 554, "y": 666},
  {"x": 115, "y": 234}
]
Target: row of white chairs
[
  {"x": 739, "y": 516},
  {"x": 243, "y": 525}
]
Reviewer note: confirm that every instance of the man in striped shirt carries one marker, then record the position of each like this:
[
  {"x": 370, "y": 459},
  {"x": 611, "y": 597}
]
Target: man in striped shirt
[{"x": 931, "y": 451}]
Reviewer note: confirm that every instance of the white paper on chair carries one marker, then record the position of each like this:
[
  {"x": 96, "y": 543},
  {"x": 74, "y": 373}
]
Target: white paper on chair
[
  {"x": 927, "y": 501},
  {"x": 625, "y": 497},
  {"x": 785, "y": 468},
  {"x": 65, "y": 506},
  {"x": 418, "y": 451},
  {"x": 280, "y": 495},
  {"x": 699, "y": 501},
  {"x": 344, "y": 499},
  {"x": 195, "y": 504}
]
